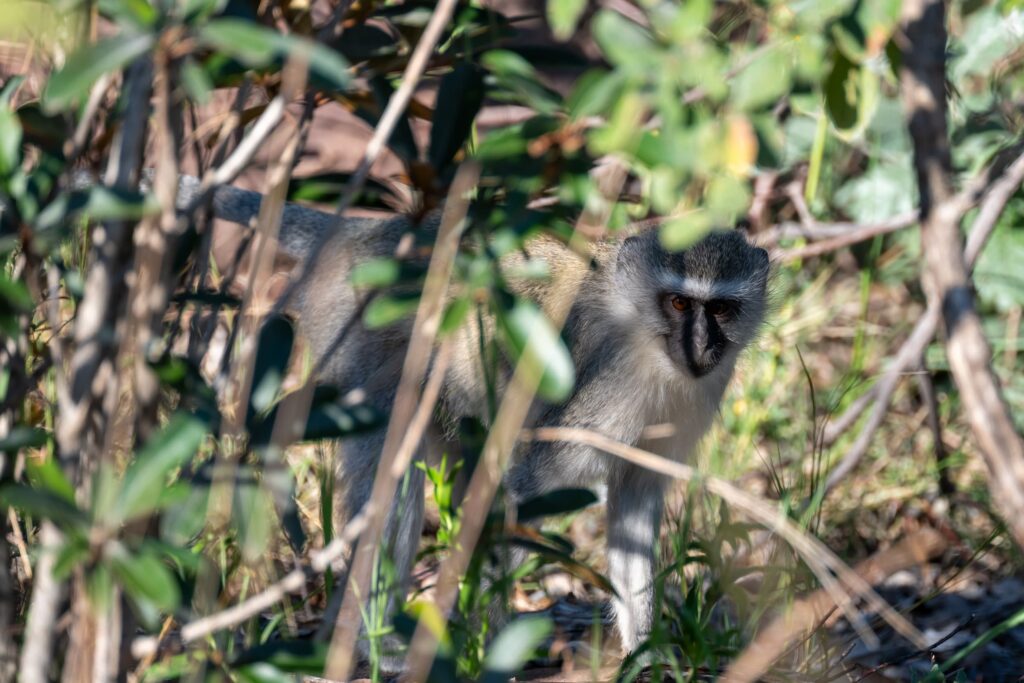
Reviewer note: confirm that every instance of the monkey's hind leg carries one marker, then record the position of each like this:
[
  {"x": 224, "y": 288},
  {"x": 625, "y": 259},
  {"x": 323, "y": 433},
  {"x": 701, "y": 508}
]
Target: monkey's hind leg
[
  {"x": 398, "y": 547},
  {"x": 635, "y": 500}
]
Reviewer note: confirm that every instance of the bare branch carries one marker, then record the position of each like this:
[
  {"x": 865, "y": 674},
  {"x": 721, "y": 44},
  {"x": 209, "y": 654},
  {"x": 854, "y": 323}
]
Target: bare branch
[
  {"x": 856, "y": 234},
  {"x": 945, "y": 277}
]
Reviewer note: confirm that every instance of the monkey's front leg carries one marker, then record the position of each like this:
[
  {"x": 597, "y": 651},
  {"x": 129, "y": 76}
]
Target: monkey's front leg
[{"x": 635, "y": 500}]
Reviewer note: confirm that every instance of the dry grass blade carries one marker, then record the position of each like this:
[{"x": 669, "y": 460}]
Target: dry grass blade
[
  {"x": 826, "y": 566},
  {"x": 772, "y": 641}
]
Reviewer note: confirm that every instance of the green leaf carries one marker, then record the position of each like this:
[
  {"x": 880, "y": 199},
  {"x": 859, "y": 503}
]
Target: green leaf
[
  {"x": 684, "y": 231},
  {"x": 88, "y": 64},
  {"x": 45, "y": 474},
  {"x": 22, "y": 436},
  {"x": 272, "y": 354},
  {"x": 763, "y": 81},
  {"x": 293, "y": 656},
  {"x": 378, "y": 272},
  {"x": 137, "y": 12},
  {"x": 145, "y": 578},
  {"x": 519, "y": 81},
  {"x": 385, "y": 310},
  {"x": 727, "y": 196},
  {"x": 10, "y": 141},
  {"x": 44, "y": 505},
  {"x": 458, "y": 100},
  {"x": 196, "y": 81},
  {"x": 563, "y": 15},
  {"x": 513, "y": 647},
  {"x": 147, "y": 475},
  {"x": 624, "y": 42},
  {"x": 556, "y": 503},
  {"x": 884, "y": 191},
  {"x": 595, "y": 94},
  {"x": 531, "y": 339},
  {"x": 257, "y": 46}
]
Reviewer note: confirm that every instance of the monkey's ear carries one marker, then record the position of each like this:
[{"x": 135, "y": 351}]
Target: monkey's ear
[{"x": 632, "y": 250}]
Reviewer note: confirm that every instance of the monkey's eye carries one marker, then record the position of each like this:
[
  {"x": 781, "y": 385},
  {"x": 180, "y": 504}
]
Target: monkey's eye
[
  {"x": 722, "y": 308},
  {"x": 679, "y": 303}
]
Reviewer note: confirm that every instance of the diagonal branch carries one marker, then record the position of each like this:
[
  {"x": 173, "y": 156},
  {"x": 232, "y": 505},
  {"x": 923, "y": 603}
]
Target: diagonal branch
[{"x": 946, "y": 278}]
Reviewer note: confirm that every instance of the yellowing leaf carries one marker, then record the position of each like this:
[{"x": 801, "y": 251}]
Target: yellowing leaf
[{"x": 740, "y": 146}]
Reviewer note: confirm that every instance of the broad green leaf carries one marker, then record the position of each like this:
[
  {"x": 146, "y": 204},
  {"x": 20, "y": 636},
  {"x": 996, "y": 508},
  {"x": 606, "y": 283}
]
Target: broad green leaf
[
  {"x": 293, "y": 656},
  {"x": 882, "y": 192},
  {"x": 145, "y": 578},
  {"x": 22, "y": 436},
  {"x": 385, "y": 310},
  {"x": 997, "y": 275},
  {"x": 556, "y": 503},
  {"x": 378, "y": 272},
  {"x": 196, "y": 81},
  {"x": 988, "y": 37},
  {"x": 10, "y": 141},
  {"x": 595, "y": 94},
  {"x": 45, "y": 474},
  {"x": 513, "y": 647},
  {"x": 533, "y": 340},
  {"x": 43, "y": 505},
  {"x": 519, "y": 81},
  {"x": 764, "y": 80},
  {"x": 458, "y": 101},
  {"x": 563, "y": 15},
  {"x": 147, "y": 475},
  {"x": 683, "y": 231},
  {"x": 88, "y": 64},
  {"x": 272, "y": 354},
  {"x": 726, "y": 198},
  {"x": 624, "y": 43},
  {"x": 139, "y": 13},
  {"x": 257, "y": 46}
]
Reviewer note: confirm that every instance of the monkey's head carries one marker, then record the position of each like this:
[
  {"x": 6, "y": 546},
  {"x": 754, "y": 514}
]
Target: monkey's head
[{"x": 701, "y": 305}]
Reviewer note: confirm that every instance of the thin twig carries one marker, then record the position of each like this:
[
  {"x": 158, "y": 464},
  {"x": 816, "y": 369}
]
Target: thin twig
[
  {"x": 856, "y": 235},
  {"x": 841, "y": 582}
]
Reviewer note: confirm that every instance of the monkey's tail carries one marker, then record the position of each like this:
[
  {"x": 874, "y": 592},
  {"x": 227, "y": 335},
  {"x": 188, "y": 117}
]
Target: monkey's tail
[{"x": 301, "y": 227}]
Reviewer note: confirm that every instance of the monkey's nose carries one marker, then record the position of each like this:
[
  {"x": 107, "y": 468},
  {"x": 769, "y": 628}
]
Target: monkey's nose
[{"x": 703, "y": 362}]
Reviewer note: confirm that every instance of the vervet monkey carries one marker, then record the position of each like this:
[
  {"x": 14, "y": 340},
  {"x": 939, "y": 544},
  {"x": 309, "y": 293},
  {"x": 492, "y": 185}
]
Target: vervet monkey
[{"x": 654, "y": 336}]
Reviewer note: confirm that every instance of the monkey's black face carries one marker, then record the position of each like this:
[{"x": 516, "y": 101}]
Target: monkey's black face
[{"x": 700, "y": 332}]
